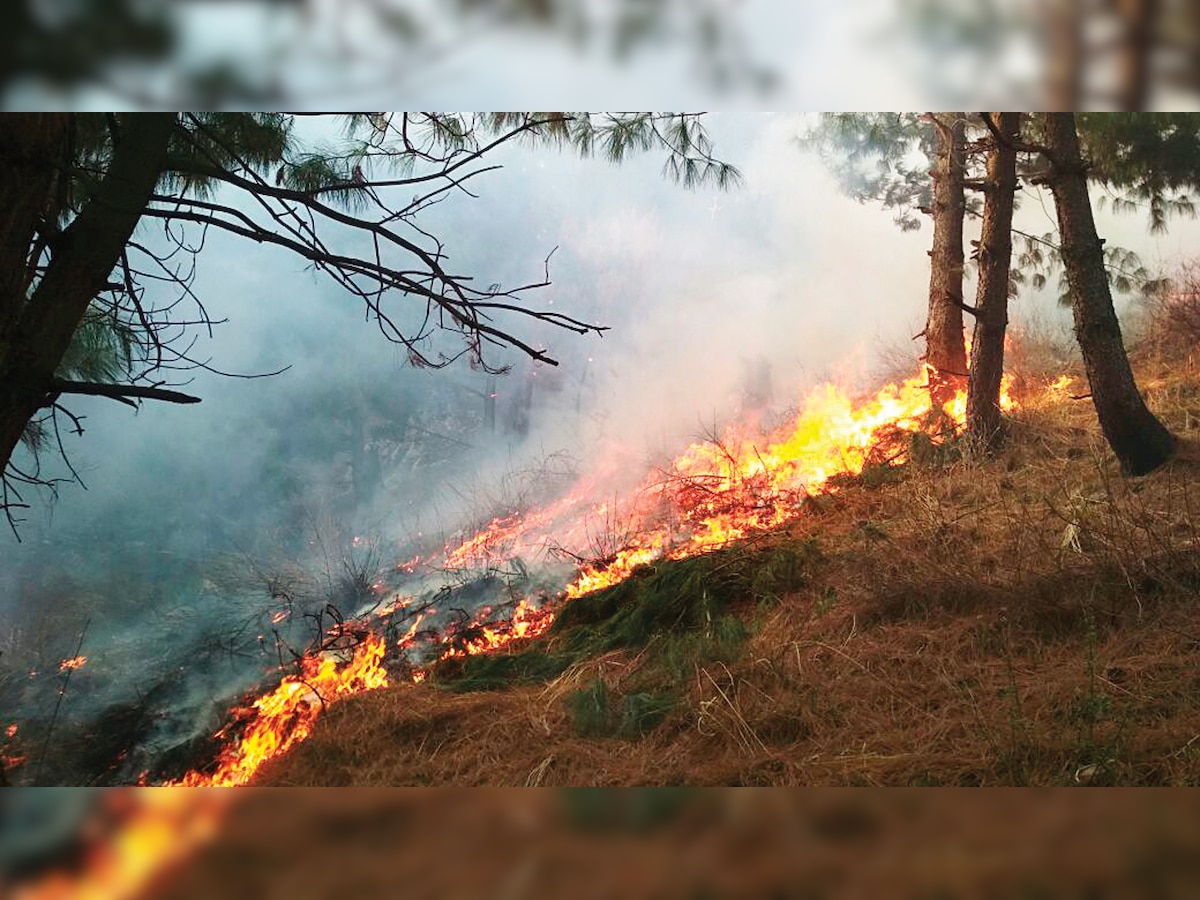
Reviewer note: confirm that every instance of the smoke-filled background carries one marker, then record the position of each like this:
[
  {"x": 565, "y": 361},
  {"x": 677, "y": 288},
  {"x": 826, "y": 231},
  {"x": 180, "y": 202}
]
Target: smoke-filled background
[
  {"x": 201, "y": 525},
  {"x": 1062, "y": 54}
]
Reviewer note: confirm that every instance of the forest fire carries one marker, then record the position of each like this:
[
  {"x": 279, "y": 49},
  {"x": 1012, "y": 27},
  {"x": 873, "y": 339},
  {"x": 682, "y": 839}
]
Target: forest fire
[
  {"x": 716, "y": 492},
  {"x": 285, "y": 716},
  {"x": 75, "y": 662},
  {"x": 721, "y": 490}
]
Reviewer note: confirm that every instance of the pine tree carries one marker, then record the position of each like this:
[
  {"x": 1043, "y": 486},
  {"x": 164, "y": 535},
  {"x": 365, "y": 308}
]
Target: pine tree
[
  {"x": 995, "y": 260},
  {"x": 1139, "y": 440},
  {"x": 75, "y": 317}
]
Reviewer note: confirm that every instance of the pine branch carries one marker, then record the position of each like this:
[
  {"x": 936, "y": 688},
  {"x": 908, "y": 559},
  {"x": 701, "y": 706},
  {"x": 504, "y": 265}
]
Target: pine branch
[{"x": 119, "y": 392}]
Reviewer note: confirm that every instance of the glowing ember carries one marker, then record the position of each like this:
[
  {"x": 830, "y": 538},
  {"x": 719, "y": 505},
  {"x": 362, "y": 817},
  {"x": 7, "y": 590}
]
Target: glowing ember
[
  {"x": 285, "y": 716},
  {"x": 397, "y": 603},
  {"x": 412, "y": 631},
  {"x": 75, "y": 662},
  {"x": 409, "y": 565},
  {"x": 11, "y": 730}
]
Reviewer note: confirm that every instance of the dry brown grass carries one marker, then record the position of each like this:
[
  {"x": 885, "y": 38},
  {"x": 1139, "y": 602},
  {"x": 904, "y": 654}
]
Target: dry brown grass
[
  {"x": 1026, "y": 619},
  {"x": 858, "y": 845}
]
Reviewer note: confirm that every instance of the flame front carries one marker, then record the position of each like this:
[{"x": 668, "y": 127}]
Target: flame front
[
  {"x": 714, "y": 492},
  {"x": 720, "y": 491},
  {"x": 285, "y": 716}
]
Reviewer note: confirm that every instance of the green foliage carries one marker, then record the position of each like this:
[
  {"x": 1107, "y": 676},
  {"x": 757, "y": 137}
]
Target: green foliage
[
  {"x": 925, "y": 452},
  {"x": 491, "y": 672},
  {"x": 1037, "y": 258},
  {"x": 593, "y": 715},
  {"x": 588, "y": 708},
  {"x": 879, "y": 158},
  {"x": 613, "y": 136},
  {"x": 1153, "y": 157},
  {"x": 245, "y": 144},
  {"x": 679, "y": 596},
  {"x": 101, "y": 348},
  {"x": 642, "y": 713},
  {"x": 721, "y": 642}
]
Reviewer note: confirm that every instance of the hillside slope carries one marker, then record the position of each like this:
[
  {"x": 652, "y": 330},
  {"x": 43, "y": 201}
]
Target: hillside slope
[{"x": 1029, "y": 619}]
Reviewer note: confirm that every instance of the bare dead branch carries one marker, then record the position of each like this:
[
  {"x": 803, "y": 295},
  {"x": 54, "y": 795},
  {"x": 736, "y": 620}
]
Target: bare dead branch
[{"x": 120, "y": 392}]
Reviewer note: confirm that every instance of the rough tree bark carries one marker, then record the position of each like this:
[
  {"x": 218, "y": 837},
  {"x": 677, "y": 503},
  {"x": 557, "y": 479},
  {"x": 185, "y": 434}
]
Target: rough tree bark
[
  {"x": 991, "y": 304},
  {"x": 36, "y": 329},
  {"x": 31, "y": 147},
  {"x": 1064, "y": 54},
  {"x": 945, "y": 350},
  {"x": 1139, "y": 21},
  {"x": 1139, "y": 440}
]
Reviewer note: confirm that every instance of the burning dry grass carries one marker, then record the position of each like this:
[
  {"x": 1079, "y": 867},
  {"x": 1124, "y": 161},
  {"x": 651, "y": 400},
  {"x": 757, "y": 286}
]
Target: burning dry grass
[{"x": 1029, "y": 619}]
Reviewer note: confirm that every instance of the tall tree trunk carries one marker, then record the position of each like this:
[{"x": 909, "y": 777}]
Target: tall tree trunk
[
  {"x": 1139, "y": 440},
  {"x": 1064, "y": 54},
  {"x": 945, "y": 351},
  {"x": 1139, "y": 21},
  {"x": 991, "y": 304},
  {"x": 33, "y": 148},
  {"x": 34, "y": 339}
]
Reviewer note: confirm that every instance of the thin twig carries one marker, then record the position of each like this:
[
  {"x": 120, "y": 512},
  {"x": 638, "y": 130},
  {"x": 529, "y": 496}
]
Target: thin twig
[{"x": 62, "y": 692}]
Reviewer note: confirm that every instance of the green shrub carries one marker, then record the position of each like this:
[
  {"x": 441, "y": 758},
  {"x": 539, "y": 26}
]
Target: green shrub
[
  {"x": 642, "y": 713},
  {"x": 589, "y": 711}
]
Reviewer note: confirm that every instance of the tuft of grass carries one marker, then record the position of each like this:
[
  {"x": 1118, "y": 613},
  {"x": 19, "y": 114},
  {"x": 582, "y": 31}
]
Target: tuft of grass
[
  {"x": 642, "y": 712},
  {"x": 721, "y": 641},
  {"x": 589, "y": 710},
  {"x": 682, "y": 595},
  {"x": 496, "y": 672},
  {"x": 593, "y": 713}
]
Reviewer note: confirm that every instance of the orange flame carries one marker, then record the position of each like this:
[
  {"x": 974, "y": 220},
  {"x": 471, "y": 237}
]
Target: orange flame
[
  {"x": 721, "y": 491},
  {"x": 158, "y": 828},
  {"x": 75, "y": 662},
  {"x": 285, "y": 716},
  {"x": 716, "y": 492}
]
